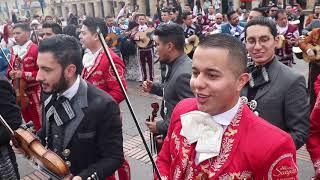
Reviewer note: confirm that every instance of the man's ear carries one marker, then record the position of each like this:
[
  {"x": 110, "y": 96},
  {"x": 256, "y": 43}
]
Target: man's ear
[
  {"x": 242, "y": 81},
  {"x": 96, "y": 36},
  {"x": 170, "y": 46},
  {"x": 70, "y": 71}
]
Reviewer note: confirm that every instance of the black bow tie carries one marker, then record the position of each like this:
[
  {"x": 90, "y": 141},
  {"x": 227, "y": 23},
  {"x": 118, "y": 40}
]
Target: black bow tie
[
  {"x": 60, "y": 108},
  {"x": 258, "y": 76}
]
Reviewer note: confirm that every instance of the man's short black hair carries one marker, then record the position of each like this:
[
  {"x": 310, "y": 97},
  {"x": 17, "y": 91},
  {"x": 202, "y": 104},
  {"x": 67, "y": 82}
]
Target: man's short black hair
[
  {"x": 56, "y": 28},
  {"x": 230, "y": 13},
  {"x": 108, "y": 17},
  {"x": 171, "y": 33},
  {"x": 92, "y": 23},
  {"x": 314, "y": 7},
  {"x": 237, "y": 54},
  {"x": 280, "y": 11},
  {"x": 185, "y": 15},
  {"x": 24, "y": 26},
  {"x": 66, "y": 49},
  {"x": 261, "y": 11},
  {"x": 165, "y": 10},
  {"x": 173, "y": 10},
  {"x": 121, "y": 17},
  {"x": 273, "y": 6},
  {"x": 140, "y": 14},
  {"x": 262, "y": 21},
  {"x": 36, "y": 16},
  {"x": 70, "y": 30}
]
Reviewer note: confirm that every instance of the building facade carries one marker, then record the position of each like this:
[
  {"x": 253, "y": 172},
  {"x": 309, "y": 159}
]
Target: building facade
[
  {"x": 22, "y": 8},
  {"x": 102, "y": 8}
]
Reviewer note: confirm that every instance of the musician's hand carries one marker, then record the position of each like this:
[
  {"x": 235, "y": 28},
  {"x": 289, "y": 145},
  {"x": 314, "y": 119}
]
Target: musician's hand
[
  {"x": 12, "y": 74},
  {"x": 311, "y": 53},
  {"x": 192, "y": 38},
  {"x": 68, "y": 177},
  {"x": 77, "y": 178},
  {"x": 152, "y": 126},
  {"x": 136, "y": 38},
  {"x": 147, "y": 85},
  {"x": 108, "y": 38},
  {"x": 18, "y": 74}
]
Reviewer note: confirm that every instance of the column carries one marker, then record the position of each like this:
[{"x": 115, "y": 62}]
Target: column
[
  {"x": 65, "y": 12},
  {"x": 73, "y": 8},
  {"x": 59, "y": 11},
  {"x": 310, "y": 4},
  {"x": 89, "y": 9},
  {"x": 79, "y": 9},
  {"x": 97, "y": 9},
  {"x": 236, "y": 4},
  {"x": 142, "y": 6},
  {"x": 153, "y": 7},
  {"x": 106, "y": 8}
]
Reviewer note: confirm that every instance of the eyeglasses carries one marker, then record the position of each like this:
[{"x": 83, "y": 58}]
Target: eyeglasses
[{"x": 264, "y": 40}]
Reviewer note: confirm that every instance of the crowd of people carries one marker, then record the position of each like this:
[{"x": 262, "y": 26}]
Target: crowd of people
[{"x": 232, "y": 106}]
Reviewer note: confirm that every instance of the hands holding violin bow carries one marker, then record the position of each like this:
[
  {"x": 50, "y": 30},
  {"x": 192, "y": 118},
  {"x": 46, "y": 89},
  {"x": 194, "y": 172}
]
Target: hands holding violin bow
[
  {"x": 49, "y": 162},
  {"x": 14, "y": 74}
]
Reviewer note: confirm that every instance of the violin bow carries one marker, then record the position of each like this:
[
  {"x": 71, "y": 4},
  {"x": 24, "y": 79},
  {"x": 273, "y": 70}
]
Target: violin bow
[
  {"x": 6, "y": 125},
  {"x": 6, "y": 58},
  {"x": 106, "y": 50},
  {"x": 36, "y": 35}
]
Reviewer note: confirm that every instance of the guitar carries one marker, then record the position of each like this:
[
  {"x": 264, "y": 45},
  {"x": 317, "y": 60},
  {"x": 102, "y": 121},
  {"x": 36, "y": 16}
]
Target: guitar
[
  {"x": 316, "y": 50},
  {"x": 112, "y": 39},
  {"x": 143, "y": 39},
  {"x": 193, "y": 43}
]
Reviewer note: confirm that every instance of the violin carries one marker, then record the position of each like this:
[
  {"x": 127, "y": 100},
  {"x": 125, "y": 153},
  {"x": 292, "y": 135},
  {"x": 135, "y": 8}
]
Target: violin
[
  {"x": 20, "y": 85},
  {"x": 155, "y": 107},
  {"x": 156, "y": 140},
  {"x": 48, "y": 162}
]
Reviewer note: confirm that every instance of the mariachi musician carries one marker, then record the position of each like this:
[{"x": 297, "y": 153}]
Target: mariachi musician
[
  {"x": 215, "y": 135},
  {"x": 98, "y": 71},
  {"x": 10, "y": 111},
  {"x": 313, "y": 143},
  {"x": 113, "y": 35},
  {"x": 308, "y": 46},
  {"x": 145, "y": 53},
  {"x": 290, "y": 36},
  {"x": 169, "y": 40},
  {"x": 81, "y": 123},
  {"x": 23, "y": 58},
  {"x": 190, "y": 30}
]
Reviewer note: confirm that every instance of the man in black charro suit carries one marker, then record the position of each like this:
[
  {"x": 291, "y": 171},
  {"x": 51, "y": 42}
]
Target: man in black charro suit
[{"x": 81, "y": 123}]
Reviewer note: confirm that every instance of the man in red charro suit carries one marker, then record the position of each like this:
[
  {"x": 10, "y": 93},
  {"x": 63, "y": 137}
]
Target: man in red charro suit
[
  {"x": 313, "y": 143},
  {"x": 216, "y": 135},
  {"x": 98, "y": 71},
  {"x": 27, "y": 52}
]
